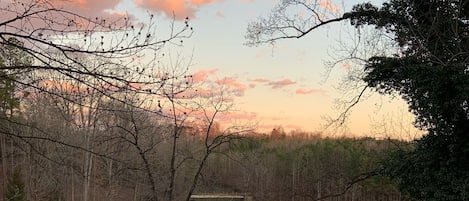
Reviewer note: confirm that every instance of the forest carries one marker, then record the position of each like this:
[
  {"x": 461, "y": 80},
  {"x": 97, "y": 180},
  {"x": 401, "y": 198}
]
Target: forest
[
  {"x": 299, "y": 166},
  {"x": 91, "y": 108}
]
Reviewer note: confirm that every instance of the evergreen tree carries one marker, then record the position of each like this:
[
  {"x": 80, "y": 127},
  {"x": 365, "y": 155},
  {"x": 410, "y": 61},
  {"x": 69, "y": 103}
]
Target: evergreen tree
[
  {"x": 11, "y": 55},
  {"x": 430, "y": 72},
  {"x": 432, "y": 76}
]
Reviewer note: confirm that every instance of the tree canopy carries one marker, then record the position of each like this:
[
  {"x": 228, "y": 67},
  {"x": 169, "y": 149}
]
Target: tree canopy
[{"x": 430, "y": 71}]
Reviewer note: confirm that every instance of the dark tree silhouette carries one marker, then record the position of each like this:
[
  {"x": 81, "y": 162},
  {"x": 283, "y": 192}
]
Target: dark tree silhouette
[
  {"x": 124, "y": 52},
  {"x": 73, "y": 60},
  {"x": 429, "y": 70}
]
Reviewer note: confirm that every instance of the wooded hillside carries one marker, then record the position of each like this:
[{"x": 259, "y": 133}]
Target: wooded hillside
[{"x": 268, "y": 168}]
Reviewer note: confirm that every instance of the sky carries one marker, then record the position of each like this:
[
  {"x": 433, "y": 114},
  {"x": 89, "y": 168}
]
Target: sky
[{"x": 282, "y": 85}]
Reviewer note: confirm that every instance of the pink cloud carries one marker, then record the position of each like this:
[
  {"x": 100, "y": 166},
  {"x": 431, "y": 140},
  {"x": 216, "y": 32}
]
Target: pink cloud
[
  {"x": 199, "y": 92},
  {"x": 202, "y": 75},
  {"x": 328, "y": 5},
  {"x": 225, "y": 116},
  {"x": 94, "y": 15},
  {"x": 237, "y": 87},
  {"x": 89, "y": 8},
  {"x": 252, "y": 85},
  {"x": 261, "y": 80},
  {"x": 210, "y": 88},
  {"x": 280, "y": 84},
  {"x": 310, "y": 91},
  {"x": 202, "y": 2},
  {"x": 229, "y": 116},
  {"x": 179, "y": 8},
  {"x": 274, "y": 84}
]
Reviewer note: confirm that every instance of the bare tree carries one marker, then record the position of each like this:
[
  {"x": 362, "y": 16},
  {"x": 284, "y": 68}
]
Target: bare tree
[
  {"x": 294, "y": 19},
  {"x": 47, "y": 50},
  {"x": 125, "y": 50},
  {"x": 137, "y": 129},
  {"x": 213, "y": 137},
  {"x": 177, "y": 109},
  {"x": 114, "y": 102}
]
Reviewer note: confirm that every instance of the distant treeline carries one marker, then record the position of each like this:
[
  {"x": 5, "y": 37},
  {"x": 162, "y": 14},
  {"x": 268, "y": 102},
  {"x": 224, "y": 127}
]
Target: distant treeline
[
  {"x": 303, "y": 168},
  {"x": 121, "y": 155}
]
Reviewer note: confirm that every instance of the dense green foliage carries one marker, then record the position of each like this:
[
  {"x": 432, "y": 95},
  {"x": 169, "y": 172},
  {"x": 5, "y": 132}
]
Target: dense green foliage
[{"x": 432, "y": 75}]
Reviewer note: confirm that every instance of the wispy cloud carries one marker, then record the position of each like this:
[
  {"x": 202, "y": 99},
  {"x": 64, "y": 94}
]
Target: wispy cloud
[
  {"x": 229, "y": 116},
  {"x": 261, "y": 80},
  {"x": 237, "y": 87},
  {"x": 202, "y": 75},
  {"x": 274, "y": 84},
  {"x": 209, "y": 85},
  {"x": 281, "y": 83},
  {"x": 328, "y": 5},
  {"x": 310, "y": 91},
  {"x": 199, "y": 92}
]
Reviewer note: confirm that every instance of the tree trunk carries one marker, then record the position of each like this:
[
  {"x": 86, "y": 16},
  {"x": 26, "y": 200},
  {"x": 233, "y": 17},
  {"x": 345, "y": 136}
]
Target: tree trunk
[
  {"x": 72, "y": 183},
  {"x": 110, "y": 193},
  {"x": 87, "y": 173},
  {"x": 4, "y": 164}
]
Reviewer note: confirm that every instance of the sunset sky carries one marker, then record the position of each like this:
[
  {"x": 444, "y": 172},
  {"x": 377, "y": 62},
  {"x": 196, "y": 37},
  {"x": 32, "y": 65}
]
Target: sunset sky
[{"x": 282, "y": 85}]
